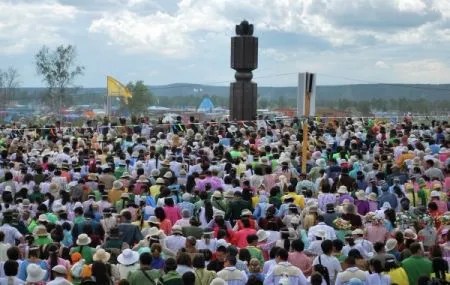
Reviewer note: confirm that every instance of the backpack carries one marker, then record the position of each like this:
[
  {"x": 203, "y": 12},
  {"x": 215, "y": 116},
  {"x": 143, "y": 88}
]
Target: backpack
[{"x": 322, "y": 270}]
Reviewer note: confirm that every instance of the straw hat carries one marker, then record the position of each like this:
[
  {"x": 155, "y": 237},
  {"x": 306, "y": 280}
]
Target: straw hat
[
  {"x": 361, "y": 195},
  {"x": 176, "y": 229},
  {"x": 128, "y": 257},
  {"x": 125, "y": 174},
  {"x": 217, "y": 194},
  {"x": 410, "y": 234},
  {"x": 143, "y": 179},
  {"x": 160, "y": 181},
  {"x": 41, "y": 231},
  {"x": 373, "y": 197},
  {"x": 229, "y": 194},
  {"x": 101, "y": 255},
  {"x": 83, "y": 239},
  {"x": 390, "y": 244},
  {"x": 246, "y": 212},
  {"x": 168, "y": 175},
  {"x": 35, "y": 273},
  {"x": 342, "y": 189},
  {"x": 92, "y": 177},
  {"x": 165, "y": 163},
  {"x": 262, "y": 235},
  {"x": 357, "y": 232},
  {"x": 154, "y": 231}
]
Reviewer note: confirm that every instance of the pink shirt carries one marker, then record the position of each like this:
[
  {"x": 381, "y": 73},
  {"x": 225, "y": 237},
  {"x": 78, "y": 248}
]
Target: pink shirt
[
  {"x": 300, "y": 260},
  {"x": 172, "y": 213},
  {"x": 376, "y": 233}
]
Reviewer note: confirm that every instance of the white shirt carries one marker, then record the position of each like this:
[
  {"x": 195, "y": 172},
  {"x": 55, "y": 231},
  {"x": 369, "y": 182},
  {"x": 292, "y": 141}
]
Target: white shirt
[
  {"x": 268, "y": 266},
  {"x": 59, "y": 281},
  {"x": 365, "y": 244},
  {"x": 184, "y": 222},
  {"x": 330, "y": 233},
  {"x": 201, "y": 244},
  {"x": 3, "y": 248},
  {"x": 379, "y": 279},
  {"x": 330, "y": 262},
  {"x": 339, "y": 277},
  {"x": 175, "y": 242},
  {"x": 227, "y": 271},
  {"x": 315, "y": 247},
  {"x": 11, "y": 233},
  {"x": 16, "y": 281}
]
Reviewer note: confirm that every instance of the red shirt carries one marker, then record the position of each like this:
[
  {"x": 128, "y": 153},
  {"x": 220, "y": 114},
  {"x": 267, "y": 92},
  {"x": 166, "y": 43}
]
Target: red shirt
[{"x": 240, "y": 237}]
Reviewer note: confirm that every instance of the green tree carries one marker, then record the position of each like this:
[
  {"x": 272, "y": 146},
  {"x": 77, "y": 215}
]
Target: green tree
[
  {"x": 58, "y": 70},
  {"x": 141, "y": 100}
]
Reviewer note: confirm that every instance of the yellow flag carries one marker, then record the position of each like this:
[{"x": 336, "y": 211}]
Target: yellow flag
[{"x": 117, "y": 89}]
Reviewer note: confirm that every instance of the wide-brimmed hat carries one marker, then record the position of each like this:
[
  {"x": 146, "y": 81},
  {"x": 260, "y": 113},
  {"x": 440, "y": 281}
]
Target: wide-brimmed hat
[
  {"x": 143, "y": 179},
  {"x": 160, "y": 181},
  {"x": 262, "y": 235},
  {"x": 117, "y": 185},
  {"x": 168, "y": 175},
  {"x": 361, "y": 195},
  {"x": 128, "y": 257},
  {"x": 217, "y": 194},
  {"x": 43, "y": 218},
  {"x": 246, "y": 212},
  {"x": 153, "y": 220},
  {"x": 83, "y": 239},
  {"x": 229, "y": 194},
  {"x": 154, "y": 231},
  {"x": 342, "y": 189},
  {"x": 101, "y": 255},
  {"x": 35, "y": 273},
  {"x": 410, "y": 234},
  {"x": 373, "y": 197},
  {"x": 357, "y": 232},
  {"x": 390, "y": 244},
  {"x": 125, "y": 174},
  {"x": 41, "y": 231},
  {"x": 176, "y": 229},
  {"x": 155, "y": 173},
  {"x": 92, "y": 177},
  {"x": 60, "y": 269}
]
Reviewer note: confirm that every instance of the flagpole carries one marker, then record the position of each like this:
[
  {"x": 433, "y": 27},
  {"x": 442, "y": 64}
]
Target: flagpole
[{"x": 106, "y": 97}]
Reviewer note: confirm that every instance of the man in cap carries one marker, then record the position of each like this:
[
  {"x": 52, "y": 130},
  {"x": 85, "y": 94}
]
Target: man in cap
[{"x": 60, "y": 274}]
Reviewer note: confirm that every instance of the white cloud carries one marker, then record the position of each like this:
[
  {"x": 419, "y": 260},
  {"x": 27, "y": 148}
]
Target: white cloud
[
  {"x": 382, "y": 64},
  {"x": 30, "y": 24},
  {"x": 422, "y": 71}
]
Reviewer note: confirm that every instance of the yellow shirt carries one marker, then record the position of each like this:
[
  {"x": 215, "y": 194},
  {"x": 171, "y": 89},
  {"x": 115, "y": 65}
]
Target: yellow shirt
[
  {"x": 155, "y": 190},
  {"x": 114, "y": 196},
  {"x": 299, "y": 200},
  {"x": 255, "y": 201},
  {"x": 398, "y": 276}
]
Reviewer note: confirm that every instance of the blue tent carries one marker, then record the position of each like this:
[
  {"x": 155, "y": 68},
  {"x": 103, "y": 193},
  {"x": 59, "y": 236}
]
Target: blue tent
[{"x": 206, "y": 106}]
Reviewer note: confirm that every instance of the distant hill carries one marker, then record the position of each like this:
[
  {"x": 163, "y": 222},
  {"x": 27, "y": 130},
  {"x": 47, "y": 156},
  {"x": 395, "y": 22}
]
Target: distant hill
[{"x": 352, "y": 92}]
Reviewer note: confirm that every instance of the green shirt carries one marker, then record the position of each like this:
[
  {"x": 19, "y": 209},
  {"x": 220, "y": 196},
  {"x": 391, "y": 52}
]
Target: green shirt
[
  {"x": 256, "y": 253},
  {"x": 44, "y": 240},
  {"x": 417, "y": 266},
  {"x": 172, "y": 278},
  {"x": 86, "y": 252},
  {"x": 139, "y": 278}
]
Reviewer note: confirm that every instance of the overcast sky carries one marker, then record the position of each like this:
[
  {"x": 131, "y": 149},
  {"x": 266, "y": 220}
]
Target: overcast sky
[{"x": 169, "y": 41}]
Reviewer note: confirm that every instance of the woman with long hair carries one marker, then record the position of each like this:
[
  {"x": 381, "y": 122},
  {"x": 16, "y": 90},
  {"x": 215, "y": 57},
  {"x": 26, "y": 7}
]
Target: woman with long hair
[
  {"x": 164, "y": 224},
  {"x": 100, "y": 273},
  {"x": 55, "y": 259}
]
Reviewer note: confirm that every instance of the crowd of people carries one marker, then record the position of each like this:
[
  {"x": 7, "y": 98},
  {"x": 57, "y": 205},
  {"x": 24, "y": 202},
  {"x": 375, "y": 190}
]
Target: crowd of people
[{"x": 226, "y": 203}]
